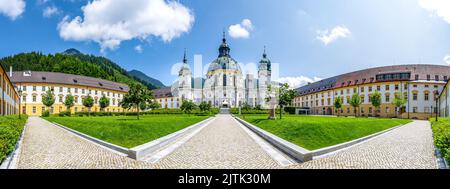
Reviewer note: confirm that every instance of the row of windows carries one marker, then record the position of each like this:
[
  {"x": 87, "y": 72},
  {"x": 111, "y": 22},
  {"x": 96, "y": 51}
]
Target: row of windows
[
  {"x": 76, "y": 109},
  {"x": 386, "y": 110},
  {"x": 396, "y": 87},
  {"x": 76, "y": 99},
  {"x": 346, "y": 100},
  {"x": 381, "y": 77},
  {"x": 69, "y": 90}
]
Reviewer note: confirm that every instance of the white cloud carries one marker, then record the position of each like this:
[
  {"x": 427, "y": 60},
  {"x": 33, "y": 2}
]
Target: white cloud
[
  {"x": 241, "y": 30},
  {"x": 50, "y": 11},
  {"x": 446, "y": 59},
  {"x": 12, "y": 8},
  {"x": 296, "y": 82},
  {"x": 138, "y": 48},
  {"x": 328, "y": 37},
  {"x": 439, "y": 8},
  {"x": 109, "y": 22}
]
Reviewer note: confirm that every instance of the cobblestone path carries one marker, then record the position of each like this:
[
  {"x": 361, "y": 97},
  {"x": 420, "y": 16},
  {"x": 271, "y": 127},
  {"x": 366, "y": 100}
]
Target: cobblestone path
[
  {"x": 407, "y": 147},
  {"x": 46, "y": 146},
  {"x": 222, "y": 144}
]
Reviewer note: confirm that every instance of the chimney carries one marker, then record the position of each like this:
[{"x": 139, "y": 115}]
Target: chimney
[{"x": 10, "y": 71}]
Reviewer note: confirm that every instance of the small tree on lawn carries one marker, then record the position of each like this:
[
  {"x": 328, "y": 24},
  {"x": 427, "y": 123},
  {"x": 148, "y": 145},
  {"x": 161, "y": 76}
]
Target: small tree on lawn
[
  {"x": 285, "y": 97},
  {"x": 187, "y": 106},
  {"x": 375, "y": 99},
  {"x": 48, "y": 99},
  {"x": 399, "y": 102},
  {"x": 154, "y": 105},
  {"x": 355, "y": 102},
  {"x": 338, "y": 104},
  {"x": 104, "y": 102},
  {"x": 137, "y": 95},
  {"x": 69, "y": 102},
  {"x": 88, "y": 102},
  {"x": 204, "y": 106}
]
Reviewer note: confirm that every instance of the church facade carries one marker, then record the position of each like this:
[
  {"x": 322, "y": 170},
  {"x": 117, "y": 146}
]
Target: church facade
[{"x": 224, "y": 84}]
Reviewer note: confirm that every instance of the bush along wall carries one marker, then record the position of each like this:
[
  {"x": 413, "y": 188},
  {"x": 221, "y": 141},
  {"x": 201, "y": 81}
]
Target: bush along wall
[
  {"x": 441, "y": 133},
  {"x": 10, "y": 129}
]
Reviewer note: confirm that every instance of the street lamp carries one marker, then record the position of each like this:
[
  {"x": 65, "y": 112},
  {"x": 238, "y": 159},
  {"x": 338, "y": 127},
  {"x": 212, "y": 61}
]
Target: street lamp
[
  {"x": 20, "y": 100},
  {"x": 437, "y": 108}
]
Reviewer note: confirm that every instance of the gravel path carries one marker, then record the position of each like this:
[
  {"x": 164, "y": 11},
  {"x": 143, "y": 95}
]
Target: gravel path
[
  {"x": 407, "y": 147},
  {"x": 222, "y": 144},
  {"x": 46, "y": 146}
]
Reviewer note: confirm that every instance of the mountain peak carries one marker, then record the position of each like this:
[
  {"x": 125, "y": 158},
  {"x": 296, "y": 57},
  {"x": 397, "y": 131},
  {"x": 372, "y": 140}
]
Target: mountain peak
[{"x": 72, "y": 51}]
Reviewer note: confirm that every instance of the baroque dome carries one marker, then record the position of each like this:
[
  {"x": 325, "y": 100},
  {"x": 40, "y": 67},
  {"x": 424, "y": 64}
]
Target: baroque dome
[{"x": 224, "y": 61}]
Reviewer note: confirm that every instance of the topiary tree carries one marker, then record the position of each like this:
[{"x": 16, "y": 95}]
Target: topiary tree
[
  {"x": 399, "y": 102},
  {"x": 187, "y": 106},
  {"x": 355, "y": 102},
  {"x": 104, "y": 102},
  {"x": 48, "y": 99},
  {"x": 338, "y": 104},
  {"x": 69, "y": 102},
  {"x": 88, "y": 102},
  {"x": 375, "y": 99}
]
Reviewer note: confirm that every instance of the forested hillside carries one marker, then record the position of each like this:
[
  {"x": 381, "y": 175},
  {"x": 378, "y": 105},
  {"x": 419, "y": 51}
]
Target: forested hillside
[{"x": 72, "y": 62}]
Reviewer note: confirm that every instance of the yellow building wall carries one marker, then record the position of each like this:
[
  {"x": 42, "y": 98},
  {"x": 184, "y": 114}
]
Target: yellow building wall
[{"x": 36, "y": 108}]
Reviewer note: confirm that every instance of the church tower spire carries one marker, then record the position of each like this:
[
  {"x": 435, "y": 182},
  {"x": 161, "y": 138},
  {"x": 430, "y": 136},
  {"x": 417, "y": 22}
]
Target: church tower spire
[
  {"x": 224, "y": 49},
  {"x": 184, "y": 57}
]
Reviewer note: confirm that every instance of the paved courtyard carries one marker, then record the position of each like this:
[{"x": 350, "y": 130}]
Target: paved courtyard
[
  {"x": 407, "y": 147},
  {"x": 46, "y": 146},
  {"x": 222, "y": 144},
  {"x": 225, "y": 144}
]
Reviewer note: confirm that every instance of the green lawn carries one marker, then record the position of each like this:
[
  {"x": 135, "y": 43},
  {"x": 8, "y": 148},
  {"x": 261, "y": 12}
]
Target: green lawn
[
  {"x": 10, "y": 129},
  {"x": 127, "y": 131},
  {"x": 313, "y": 132}
]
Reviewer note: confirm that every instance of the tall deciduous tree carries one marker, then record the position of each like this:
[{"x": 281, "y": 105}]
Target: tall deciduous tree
[
  {"x": 137, "y": 95},
  {"x": 355, "y": 102},
  {"x": 375, "y": 99},
  {"x": 283, "y": 94}
]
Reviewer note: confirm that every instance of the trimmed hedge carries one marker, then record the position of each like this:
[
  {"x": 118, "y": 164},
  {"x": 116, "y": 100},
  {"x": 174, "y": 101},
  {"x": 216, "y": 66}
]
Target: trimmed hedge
[
  {"x": 10, "y": 129},
  {"x": 441, "y": 132},
  {"x": 213, "y": 111}
]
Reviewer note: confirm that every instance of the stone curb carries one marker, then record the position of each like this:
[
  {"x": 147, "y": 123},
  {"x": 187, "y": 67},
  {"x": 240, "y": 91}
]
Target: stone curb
[
  {"x": 95, "y": 140},
  {"x": 143, "y": 150},
  {"x": 12, "y": 159},
  {"x": 337, "y": 147},
  {"x": 300, "y": 154}
]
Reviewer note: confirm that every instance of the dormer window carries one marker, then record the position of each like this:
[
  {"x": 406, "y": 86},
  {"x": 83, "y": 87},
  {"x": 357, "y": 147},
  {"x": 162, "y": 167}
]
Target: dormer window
[{"x": 44, "y": 78}]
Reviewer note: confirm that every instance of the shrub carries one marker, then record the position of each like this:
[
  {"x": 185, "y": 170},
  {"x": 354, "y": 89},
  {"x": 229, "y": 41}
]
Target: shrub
[
  {"x": 65, "y": 114},
  {"x": 441, "y": 131},
  {"x": 290, "y": 110},
  {"x": 46, "y": 113},
  {"x": 10, "y": 129}
]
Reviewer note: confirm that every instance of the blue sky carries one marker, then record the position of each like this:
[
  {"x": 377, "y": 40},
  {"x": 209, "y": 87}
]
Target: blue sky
[{"x": 307, "y": 38}]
